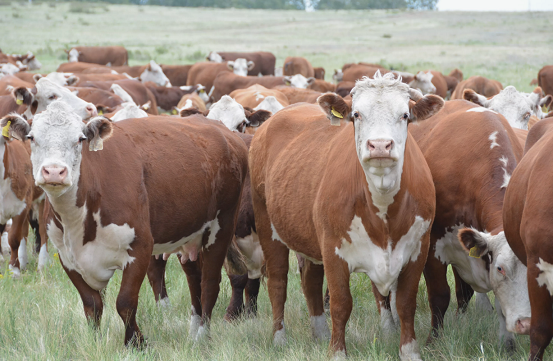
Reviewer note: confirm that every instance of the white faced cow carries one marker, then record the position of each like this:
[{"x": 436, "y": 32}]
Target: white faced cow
[
  {"x": 298, "y": 81},
  {"x": 423, "y": 82},
  {"x": 154, "y": 73},
  {"x": 240, "y": 66}
]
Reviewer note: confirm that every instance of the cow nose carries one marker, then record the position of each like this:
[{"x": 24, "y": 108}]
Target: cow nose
[
  {"x": 91, "y": 109},
  {"x": 380, "y": 148},
  {"x": 54, "y": 175},
  {"x": 522, "y": 326}
]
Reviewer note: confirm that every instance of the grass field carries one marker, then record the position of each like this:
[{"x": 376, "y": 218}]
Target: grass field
[{"x": 41, "y": 315}]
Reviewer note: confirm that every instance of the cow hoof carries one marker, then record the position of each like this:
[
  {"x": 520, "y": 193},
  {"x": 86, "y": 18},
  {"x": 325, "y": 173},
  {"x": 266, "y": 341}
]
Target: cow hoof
[
  {"x": 202, "y": 334},
  {"x": 410, "y": 351},
  {"x": 43, "y": 258},
  {"x": 14, "y": 272},
  {"x": 319, "y": 327},
  {"x": 164, "y": 303},
  {"x": 279, "y": 339},
  {"x": 195, "y": 321}
]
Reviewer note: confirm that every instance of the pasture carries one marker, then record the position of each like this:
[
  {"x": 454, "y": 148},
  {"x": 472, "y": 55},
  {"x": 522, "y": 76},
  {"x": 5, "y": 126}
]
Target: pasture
[{"x": 41, "y": 315}]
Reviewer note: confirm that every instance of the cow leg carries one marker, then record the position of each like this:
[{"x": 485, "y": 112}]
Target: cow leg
[
  {"x": 133, "y": 276},
  {"x": 341, "y": 302},
  {"x": 236, "y": 305},
  {"x": 252, "y": 290},
  {"x": 386, "y": 308},
  {"x": 92, "y": 299},
  {"x": 463, "y": 291},
  {"x": 213, "y": 259},
  {"x": 2, "y": 228},
  {"x": 435, "y": 274},
  {"x": 541, "y": 302},
  {"x": 194, "y": 278},
  {"x": 35, "y": 226},
  {"x": 312, "y": 285},
  {"x": 156, "y": 276},
  {"x": 17, "y": 261},
  {"x": 406, "y": 302},
  {"x": 43, "y": 256}
]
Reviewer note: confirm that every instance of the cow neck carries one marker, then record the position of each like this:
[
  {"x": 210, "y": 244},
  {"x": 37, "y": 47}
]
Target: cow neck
[{"x": 4, "y": 154}]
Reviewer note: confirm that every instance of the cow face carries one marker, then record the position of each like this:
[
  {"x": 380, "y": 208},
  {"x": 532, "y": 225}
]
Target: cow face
[
  {"x": 214, "y": 57},
  {"x": 270, "y": 104},
  {"x": 57, "y": 136},
  {"x": 48, "y": 92},
  {"x": 240, "y": 66},
  {"x": 507, "y": 275},
  {"x": 381, "y": 110},
  {"x": 229, "y": 112},
  {"x": 338, "y": 75},
  {"x": 32, "y": 62},
  {"x": 423, "y": 82},
  {"x": 73, "y": 56},
  {"x": 61, "y": 79},
  {"x": 8, "y": 69},
  {"x": 515, "y": 106},
  {"x": 298, "y": 81},
  {"x": 155, "y": 74}
]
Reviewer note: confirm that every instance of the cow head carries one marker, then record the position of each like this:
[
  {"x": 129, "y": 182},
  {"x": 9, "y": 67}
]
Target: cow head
[
  {"x": 338, "y": 75},
  {"x": 57, "y": 136},
  {"x": 457, "y": 74},
  {"x": 270, "y": 104},
  {"x": 515, "y": 106},
  {"x": 130, "y": 110},
  {"x": 47, "y": 92},
  {"x": 214, "y": 57},
  {"x": 423, "y": 82},
  {"x": 233, "y": 116},
  {"x": 9, "y": 69},
  {"x": 73, "y": 55},
  {"x": 298, "y": 81},
  {"x": 381, "y": 109},
  {"x": 62, "y": 79},
  {"x": 31, "y": 61},
  {"x": 240, "y": 66},
  {"x": 507, "y": 275},
  {"x": 202, "y": 93},
  {"x": 154, "y": 73}
]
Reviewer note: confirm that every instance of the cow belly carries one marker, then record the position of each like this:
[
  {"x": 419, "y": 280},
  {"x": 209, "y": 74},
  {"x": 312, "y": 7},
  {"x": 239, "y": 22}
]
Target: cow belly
[
  {"x": 10, "y": 205},
  {"x": 546, "y": 277},
  {"x": 97, "y": 260},
  {"x": 250, "y": 248},
  {"x": 383, "y": 266},
  {"x": 449, "y": 251}
]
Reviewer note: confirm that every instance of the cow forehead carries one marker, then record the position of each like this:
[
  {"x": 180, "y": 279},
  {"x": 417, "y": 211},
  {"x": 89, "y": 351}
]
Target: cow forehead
[
  {"x": 58, "y": 116},
  {"x": 374, "y": 102},
  {"x": 510, "y": 97}
]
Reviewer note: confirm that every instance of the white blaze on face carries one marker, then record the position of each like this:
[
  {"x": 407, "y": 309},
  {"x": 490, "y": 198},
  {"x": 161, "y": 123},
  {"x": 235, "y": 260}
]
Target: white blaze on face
[
  {"x": 155, "y": 74},
  {"x": 298, "y": 81},
  {"x": 214, "y": 57},
  {"x": 73, "y": 56},
  {"x": 240, "y": 66},
  {"x": 48, "y": 92},
  {"x": 32, "y": 62},
  {"x": 229, "y": 112},
  {"x": 423, "y": 82},
  {"x": 379, "y": 110},
  {"x": 270, "y": 103}
]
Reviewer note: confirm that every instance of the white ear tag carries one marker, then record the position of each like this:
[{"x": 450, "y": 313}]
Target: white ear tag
[{"x": 96, "y": 144}]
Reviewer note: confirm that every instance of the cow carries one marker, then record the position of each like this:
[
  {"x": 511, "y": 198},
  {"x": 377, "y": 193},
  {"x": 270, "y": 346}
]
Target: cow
[
  {"x": 9, "y": 82},
  {"x": 545, "y": 80},
  {"x": 101, "y": 223},
  {"x": 264, "y": 62},
  {"x": 78, "y": 67},
  {"x": 470, "y": 182},
  {"x": 256, "y": 94},
  {"x": 205, "y": 73},
  {"x": 480, "y": 85},
  {"x": 29, "y": 60},
  {"x": 191, "y": 101},
  {"x": 299, "y": 81},
  {"x": 355, "y": 72},
  {"x": 177, "y": 74},
  {"x": 515, "y": 106},
  {"x": 452, "y": 80},
  {"x": 104, "y": 55},
  {"x": 77, "y": 79},
  {"x": 322, "y": 86},
  {"x": 154, "y": 73},
  {"x": 298, "y": 95},
  {"x": 338, "y": 75},
  {"x": 9, "y": 105},
  {"x": 128, "y": 110},
  {"x": 430, "y": 82},
  {"x": 298, "y": 65},
  {"x": 168, "y": 97},
  {"x": 10, "y": 69},
  {"x": 46, "y": 92},
  {"x": 527, "y": 207},
  {"x": 343, "y": 88},
  {"x": 226, "y": 82},
  {"x": 105, "y": 101},
  {"x": 319, "y": 73},
  {"x": 26, "y": 76},
  {"x": 353, "y": 198}
]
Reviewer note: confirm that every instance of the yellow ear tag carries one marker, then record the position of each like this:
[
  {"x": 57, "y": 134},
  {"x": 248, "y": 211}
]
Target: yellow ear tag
[
  {"x": 101, "y": 112},
  {"x": 19, "y": 101},
  {"x": 174, "y": 112},
  {"x": 473, "y": 252},
  {"x": 6, "y": 129},
  {"x": 202, "y": 91},
  {"x": 336, "y": 114}
]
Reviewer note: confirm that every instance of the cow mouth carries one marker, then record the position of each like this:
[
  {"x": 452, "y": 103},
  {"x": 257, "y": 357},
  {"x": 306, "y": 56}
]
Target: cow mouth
[{"x": 381, "y": 162}]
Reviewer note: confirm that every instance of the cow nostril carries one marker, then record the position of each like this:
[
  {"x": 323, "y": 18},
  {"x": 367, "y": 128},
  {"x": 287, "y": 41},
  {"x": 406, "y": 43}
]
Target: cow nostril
[
  {"x": 389, "y": 146},
  {"x": 45, "y": 171},
  {"x": 62, "y": 172}
]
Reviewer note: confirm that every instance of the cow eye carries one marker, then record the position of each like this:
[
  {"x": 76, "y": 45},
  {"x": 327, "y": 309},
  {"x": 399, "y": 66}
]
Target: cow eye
[
  {"x": 31, "y": 138},
  {"x": 356, "y": 115},
  {"x": 52, "y": 97},
  {"x": 82, "y": 139},
  {"x": 527, "y": 115},
  {"x": 405, "y": 116}
]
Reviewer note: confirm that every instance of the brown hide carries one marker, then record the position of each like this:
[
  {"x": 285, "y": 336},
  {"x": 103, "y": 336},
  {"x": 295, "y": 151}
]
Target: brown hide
[
  {"x": 479, "y": 84},
  {"x": 264, "y": 61},
  {"x": 226, "y": 82},
  {"x": 298, "y": 65},
  {"x": 250, "y": 97},
  {"x": 116, "y": 55}
]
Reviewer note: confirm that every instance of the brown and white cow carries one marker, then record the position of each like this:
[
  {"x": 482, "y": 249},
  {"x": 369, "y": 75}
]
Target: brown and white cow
[
  {"x": 430, "y": 82},
  {"x": 205, "y": 73},
  {"x": 9, "y": 105},
  {"x": 319, "y": 73},
  {"x": 76, "y": 67},
  {"x": 100, "y": 222},
  {"x": 177, "y": 74},
  {"x": 104, "y": 55},
  {"x": 354, "y": 198},
  {"x": 105, "y": 100},
  {"x": 264, "y": 62},
  {"x": 259, "y": 96},
  {"x": 29, "y": 60},
  {"x": 191, "y": 101},
  {"x": 481, "y": 85},
  {"x": 298, "y": 65},
  {"x": 527, "y": 222},
  {"x": 299, "y": 95},
  {"x": 356, "y": 72},
  {"x": 452, "y": 80},
  {"x": 9, "y": 82},
  {"x": 470, "y": 183},
  {"x": 168, "y": 97},
  {"x": 226, "y": 82},
  {"x": 322, "y": 86},
  {"x": 545, "y": 80}
]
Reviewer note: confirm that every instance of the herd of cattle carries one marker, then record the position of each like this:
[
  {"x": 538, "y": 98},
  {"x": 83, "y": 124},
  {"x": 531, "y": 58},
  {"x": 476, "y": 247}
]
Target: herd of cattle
[{"x": 374, "y": 173}]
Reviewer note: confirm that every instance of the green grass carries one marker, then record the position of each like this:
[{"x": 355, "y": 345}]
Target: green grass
[{"x": 41, "y": 316}]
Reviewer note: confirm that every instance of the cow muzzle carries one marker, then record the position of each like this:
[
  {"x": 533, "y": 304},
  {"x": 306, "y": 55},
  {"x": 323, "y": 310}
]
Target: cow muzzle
[
  {"x": 522, "y": 326},
  {"x": 91, "y": 110},
  {"x": 54, "y": 176},
  {"x": 380, "y": 148}
]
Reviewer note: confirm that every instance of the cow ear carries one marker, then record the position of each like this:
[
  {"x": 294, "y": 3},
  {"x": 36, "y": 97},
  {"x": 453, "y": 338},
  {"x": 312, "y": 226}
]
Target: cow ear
[
  {"x": 96, "y": 131},
  {"x": 288, "y": 80},
  {"x": 66, "y": 51},
  {"x": 72, "y": 80},
  {"x": 472, "y": 96},
  {"x": 334, "y": 107},
  {"x": 310, "y": 80},
  {"x": 251, "y": 65},
  {"x": 230, "y": 65},
  {"x": 146, "y": 106},
  {"x": 546, "y": 101},
  {"x": 22, "y": 95},
  {"x": 423, "y": 107},
  {"x": 191, "y": 111},
  {"x": 103, "y": 109},
  {"x": 15, "y": 126},
  {"x": 474, "y": 242},
  {"x": 258, "y": 117},
  {"x": 37, "y": 77}
]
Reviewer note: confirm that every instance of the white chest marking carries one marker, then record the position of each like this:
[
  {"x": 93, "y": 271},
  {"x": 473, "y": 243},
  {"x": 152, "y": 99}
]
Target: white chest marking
[
  {"x": 493, "y": 138},
  {"x": 383, "y": 266},
  {"x": 472, "y": 270},
  {"x": 546, "y": 277},
  {"x": 97, "y": 260},
  {"x": 10, "y": 205},
  {"x": 481, "y": 110}
]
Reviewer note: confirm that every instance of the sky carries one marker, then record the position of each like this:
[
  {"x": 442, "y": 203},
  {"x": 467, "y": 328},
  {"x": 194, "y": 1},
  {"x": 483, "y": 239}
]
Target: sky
[{"x": 495, "y": 5}]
